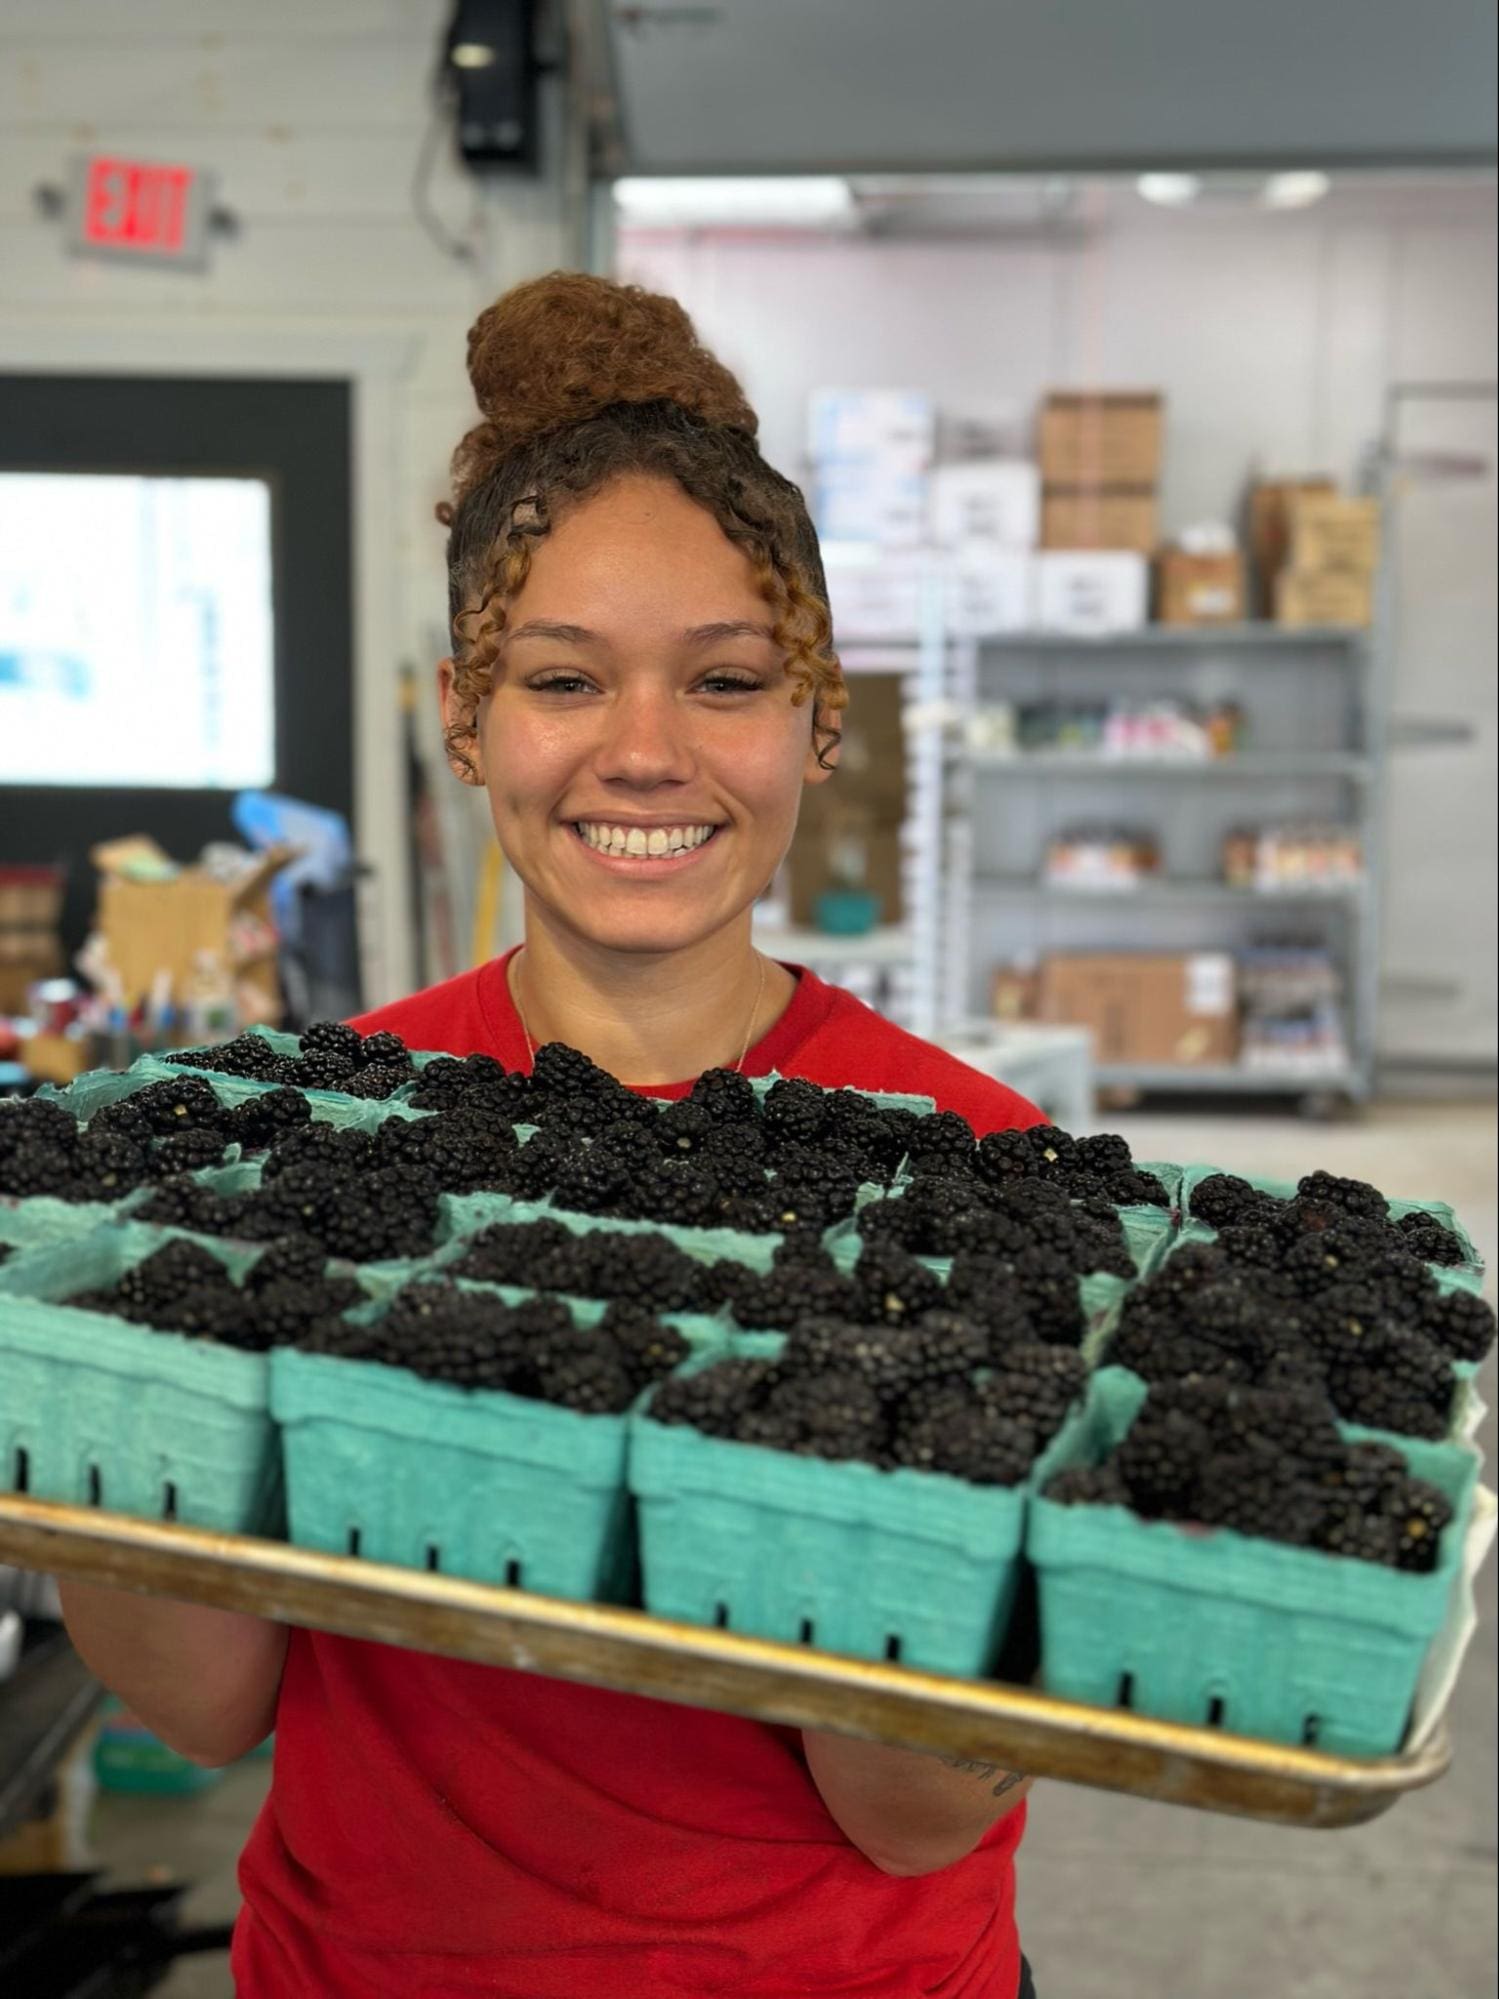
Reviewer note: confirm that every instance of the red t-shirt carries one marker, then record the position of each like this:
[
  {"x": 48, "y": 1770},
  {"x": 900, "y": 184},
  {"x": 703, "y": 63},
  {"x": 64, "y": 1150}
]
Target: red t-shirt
[{"x": 437, "y": 1829}]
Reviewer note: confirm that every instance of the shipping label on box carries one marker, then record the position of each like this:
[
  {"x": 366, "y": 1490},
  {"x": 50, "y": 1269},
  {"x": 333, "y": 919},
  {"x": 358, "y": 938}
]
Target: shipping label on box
[
  {"x": 1100, "y": 517},
  {"x": 1200, "y": 589},
  {"x": 1092, "y": 439},
  {"x": 1091, "y": 595},
  {"x": 995, "y": 500},
  {"x": 896, "y": 428}
]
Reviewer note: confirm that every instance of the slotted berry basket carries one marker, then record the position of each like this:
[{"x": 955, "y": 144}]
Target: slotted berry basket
[{"x": 1211, "y": 1627}]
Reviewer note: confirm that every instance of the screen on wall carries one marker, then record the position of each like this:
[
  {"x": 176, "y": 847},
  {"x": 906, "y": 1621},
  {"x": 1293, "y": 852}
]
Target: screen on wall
[{"x": 136, "y": 631}]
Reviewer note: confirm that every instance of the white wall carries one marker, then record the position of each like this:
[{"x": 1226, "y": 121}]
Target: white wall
[
  {"x": 1273, "y": 336},
  {"x": 312, "y": 116}
]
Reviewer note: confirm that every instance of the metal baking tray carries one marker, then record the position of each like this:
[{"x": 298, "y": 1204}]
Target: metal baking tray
[{"x": 1108, "y": 1749}]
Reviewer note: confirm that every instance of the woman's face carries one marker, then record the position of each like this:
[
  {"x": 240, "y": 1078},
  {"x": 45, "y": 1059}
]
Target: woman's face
[{"x": 642, "y": 756}]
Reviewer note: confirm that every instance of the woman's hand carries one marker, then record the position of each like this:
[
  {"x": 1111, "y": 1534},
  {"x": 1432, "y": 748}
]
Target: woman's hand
[{"x": 909, "y": 1812}]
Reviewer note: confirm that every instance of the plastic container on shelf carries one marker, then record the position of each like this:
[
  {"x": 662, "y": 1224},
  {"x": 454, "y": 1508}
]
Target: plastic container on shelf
[
  {"x": 1208, "y": 1626},
  {"x": 96, "y": 1411},
  {"x": 902, "y": 1564},
  {"x": 498, "y": 1488}
]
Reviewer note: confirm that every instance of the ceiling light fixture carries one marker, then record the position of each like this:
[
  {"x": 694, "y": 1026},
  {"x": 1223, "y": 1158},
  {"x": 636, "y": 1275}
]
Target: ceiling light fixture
[
  {"x": 1169, "y": 190},
  {"x": 785, "y": 201},
  {"x": 1295, "y": 190}
]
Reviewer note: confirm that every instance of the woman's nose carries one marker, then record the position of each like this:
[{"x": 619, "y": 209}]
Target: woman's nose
[{"x": 647, "y": 740}]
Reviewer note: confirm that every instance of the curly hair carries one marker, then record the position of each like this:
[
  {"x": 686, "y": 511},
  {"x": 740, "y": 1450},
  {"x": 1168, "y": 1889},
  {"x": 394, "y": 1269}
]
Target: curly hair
[{"x": 580, "y": 382}]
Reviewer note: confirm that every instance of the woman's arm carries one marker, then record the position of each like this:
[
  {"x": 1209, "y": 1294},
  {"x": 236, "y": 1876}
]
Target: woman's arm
[
  {"x": 908, "y": 1812},
  {"x": 204, "y": 1680}
]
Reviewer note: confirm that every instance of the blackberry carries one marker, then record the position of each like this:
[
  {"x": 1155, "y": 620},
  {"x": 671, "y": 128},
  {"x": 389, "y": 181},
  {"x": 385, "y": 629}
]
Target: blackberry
[
  {"x": 886, "y": 1358},
  {"x": 683, "y": 1129},
  {"x": 1428, "y": 1239},
  {"x": 246, "y": 1055},
  {"x": 293, "y": 1259},
  {"x": 566, "y": 1072},
  {"x": 982, "y": 1448},
  {"x": 716, "y": 1398},
  {"x": 391, "y": 1212},
  {"x": 188, "y": 1151},
  {"x": 1261, "y": 1495},
  {"x": 1344, "y": 1322},
  {"x": 463, "y": 1154},
  {"x": 333, "y": 1037},
  {"x": 585, "y": 1373},
  {"x": 944, "y": 1396},
  {"x": 285, "y": 1309},
  {"x": 178, "y": 1105},
  {"x": 378, "y": 1050},
  {"x": 893, "y": 1288},
  {"x": 325, "y": 1069},
  {"x": 1103, "y": 1152},
  {"x": 777, "y": 1299},
  {"x": 1087, "y": 1485},
  {"x": 648, "y": 1348},
  {"x": 182, "y": 1203},
  {"x": 727, "y": 1097},
  {"x": 793, "y": 1112},
  {"x": 119, "y": 1120},
  {"x": 1003, "y": 1156},
  {"x": 1420, "y": 1513},
  {"x": 534, "y": 1169},
  {"x": 168, "y": 1272},
  {"x": 1100, "y": 1243},
  {"x": 1188, "y": 1270},
  {"x": 1049, "y": 1289},
  {"x": 594, "y": 1180},
  {"x": 1366, "y": 1537},
  {"x": 1368, "y": 1478},
  {"x": 448, "y": 1081},
  {"x": 1161, "y": 1461},
  {"x": 1251, "y": 1244},
  {"x": 378, "y": 1080},
  {"x": 1055, "y": 1150},
  {"x": 1134, "y": 1189},
  {"x": 106, "y": 1165},
  {"x": 942, "y": 1142},
  {"x": 833, "y": 1415},
  {"x": 260, "y": 1120},
  {"x": 339, "y": 1155},
  {"x": 1223, "y": 1198},
  {"x": 1279, "y": 1423},
  {"x": 676, "y": 1193},
  {"x": 987, "y": 1289},
  {"x": 1460, "y": 1323},
  {"x": 1355, "y": 1197},
  {"x": 512, "y": 1253},
  {"x": 945, "y": 1343},
  {"x": 1296, "y": 1368},
  {"x": 1230, "y": 1317}
]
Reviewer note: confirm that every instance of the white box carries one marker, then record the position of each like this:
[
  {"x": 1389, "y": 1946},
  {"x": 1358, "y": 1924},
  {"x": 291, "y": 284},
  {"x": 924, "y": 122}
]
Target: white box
[
  {"x": 854, "y": 505},
  {"x": 1091, "y": 592},
  {"x": 895, "y": 426},
  {"x": 876, "y": 602},
  {"x": 991, "y": 500},
  {"x": 988, "y": 592}
]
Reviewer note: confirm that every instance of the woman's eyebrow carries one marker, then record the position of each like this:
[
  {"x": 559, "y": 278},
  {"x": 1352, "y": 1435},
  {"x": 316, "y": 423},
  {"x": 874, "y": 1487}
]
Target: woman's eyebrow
[
  {"x": 543, "y": 628},
  {"x": 733, "y": 628}
]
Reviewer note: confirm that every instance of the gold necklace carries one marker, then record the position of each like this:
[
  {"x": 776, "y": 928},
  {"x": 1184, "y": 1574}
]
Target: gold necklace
[{"x": 513, "y": 984}]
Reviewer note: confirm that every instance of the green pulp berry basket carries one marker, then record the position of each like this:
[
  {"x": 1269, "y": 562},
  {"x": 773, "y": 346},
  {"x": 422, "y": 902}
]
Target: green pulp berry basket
[
  {"x": 494, "y": 1487},
  {"x": 1465, "y": 1276},
  {"x": 97, "y": 1411},
  {"x": 1210, "y": 1627},
  {"x": 900, "y": 1564}
]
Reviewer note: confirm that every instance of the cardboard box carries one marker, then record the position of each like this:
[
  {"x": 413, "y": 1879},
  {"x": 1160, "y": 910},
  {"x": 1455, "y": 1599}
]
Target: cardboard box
[
  {"x": 1092, "y": 439},
  {"x": 1015, "y": 992},
  {"x": 157, "y": 925},
  {"x": 30, "y": 949},
  {"x": 1155, "y": 1008},
  {"x": 1091, "y": 595},
  {"x": 870, "y": 429},
  {"x": 995, "y": 501},
  {"x": 875, "y": 599},
  {"x": 1100, "y": 517},
  {"x": 987, "y": 594},
  {"x": 889, "y": 509},
  {"x": 1323, "y": 597},
  {"x": 1270, "y": 529},
  {"x": 1199, "y": 589},
  {"x": 1327, "y": 532},
  {"x": 849, "y": 831}
]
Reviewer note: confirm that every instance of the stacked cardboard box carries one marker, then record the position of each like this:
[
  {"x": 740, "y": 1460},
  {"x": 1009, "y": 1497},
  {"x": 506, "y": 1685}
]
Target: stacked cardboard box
[
  {"x": 848, "y": 836},
  {"x": 1334, "y": 553},
  {"x": 871, "y": 453},
  {"x": 30, "y": 905},
  {"x": 1153, "y": 1008},
  {"x": 1100, "y": 457},
  {"x": 986, "y": 516}
]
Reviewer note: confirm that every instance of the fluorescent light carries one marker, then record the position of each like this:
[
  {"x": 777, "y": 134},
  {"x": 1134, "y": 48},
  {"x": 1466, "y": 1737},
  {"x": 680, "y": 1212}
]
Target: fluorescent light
[
  {"x": 1169, "y": 190},
  {"x": 471, "y": 55},
  {"x": 1298, "y": 190},
  {"x": 775, "y": 200}
]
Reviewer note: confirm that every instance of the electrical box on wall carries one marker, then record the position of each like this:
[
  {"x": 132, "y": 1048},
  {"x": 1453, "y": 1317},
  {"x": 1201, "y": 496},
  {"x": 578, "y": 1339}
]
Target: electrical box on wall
[
  {"x": 493, "y": 73},
  {"x": 140, "y": 211}
]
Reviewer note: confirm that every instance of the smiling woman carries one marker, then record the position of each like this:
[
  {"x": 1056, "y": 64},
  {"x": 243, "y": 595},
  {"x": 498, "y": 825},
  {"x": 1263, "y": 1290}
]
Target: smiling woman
[{"x": 642, "y": 679}]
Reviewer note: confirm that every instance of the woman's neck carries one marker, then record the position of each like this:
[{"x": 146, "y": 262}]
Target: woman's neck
[{"x": 648, "y": 1018}]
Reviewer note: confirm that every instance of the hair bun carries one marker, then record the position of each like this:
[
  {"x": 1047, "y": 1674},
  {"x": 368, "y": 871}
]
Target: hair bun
[{"x": 559, "y": 349}]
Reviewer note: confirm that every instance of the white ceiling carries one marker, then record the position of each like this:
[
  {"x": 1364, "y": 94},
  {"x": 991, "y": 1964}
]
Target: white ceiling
[{"x": 888, "y": 86}]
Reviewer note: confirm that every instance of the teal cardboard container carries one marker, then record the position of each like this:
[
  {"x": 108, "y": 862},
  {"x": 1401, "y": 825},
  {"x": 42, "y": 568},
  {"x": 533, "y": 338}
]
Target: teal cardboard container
[
  {"x": 900, "y": 1564},
  {"x": 95, "y": 1411},
  {"x": 1211, "y": 1627},
  {"x": 494, "y": 1487}
]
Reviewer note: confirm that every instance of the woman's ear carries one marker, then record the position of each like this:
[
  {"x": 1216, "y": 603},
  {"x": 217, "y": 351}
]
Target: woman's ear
[
  {"x": 824, "y": 748},
  {"x": 460, "y": 734}
]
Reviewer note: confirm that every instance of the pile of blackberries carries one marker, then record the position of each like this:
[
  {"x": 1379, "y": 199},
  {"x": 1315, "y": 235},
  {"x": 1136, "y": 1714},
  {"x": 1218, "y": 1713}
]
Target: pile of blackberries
[
  {"x": 1269, "y": 1463},
  {"x": 1325, "y": 1201},
  {"x": 184, "y": 1288},
  {"x": 474, "y": 1340},
  {"x": 1375, "y": 1332},
  {"x": 946, "y": 1214},
  {"x": 1099, "y": 1168},
  {"x": 929, "y": 1395},
  {"x": 332, "y": 1056},
  {"x": 640, "y": 1268}
]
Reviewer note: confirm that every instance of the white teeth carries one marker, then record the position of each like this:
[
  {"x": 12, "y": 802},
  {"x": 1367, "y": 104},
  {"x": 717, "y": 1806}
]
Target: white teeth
[{"x": 638, "y": 842}]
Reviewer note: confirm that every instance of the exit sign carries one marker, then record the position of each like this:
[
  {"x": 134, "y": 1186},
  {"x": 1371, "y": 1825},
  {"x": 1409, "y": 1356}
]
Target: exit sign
[{"x": 140, "y": 211}]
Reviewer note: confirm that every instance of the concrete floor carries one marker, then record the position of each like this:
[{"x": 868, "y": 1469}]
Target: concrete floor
[{"x": 1122, "y": 1900}]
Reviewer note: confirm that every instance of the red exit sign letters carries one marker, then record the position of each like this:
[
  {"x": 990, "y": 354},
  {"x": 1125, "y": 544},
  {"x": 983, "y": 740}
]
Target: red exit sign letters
[{"x": 149, "y": 211}]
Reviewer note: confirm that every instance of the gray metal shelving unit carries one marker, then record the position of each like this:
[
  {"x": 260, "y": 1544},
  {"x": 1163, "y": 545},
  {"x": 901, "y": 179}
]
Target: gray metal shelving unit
[{"x": 1314, "y": 705}]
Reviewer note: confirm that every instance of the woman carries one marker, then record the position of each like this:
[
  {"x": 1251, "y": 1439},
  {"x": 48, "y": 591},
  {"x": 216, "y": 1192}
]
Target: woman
[{"x": 643, "y": 681}]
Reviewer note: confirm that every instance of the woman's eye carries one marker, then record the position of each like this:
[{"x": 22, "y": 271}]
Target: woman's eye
[
  {"x": 559, "y": 683},
  {"x": 730, "y": 683}
]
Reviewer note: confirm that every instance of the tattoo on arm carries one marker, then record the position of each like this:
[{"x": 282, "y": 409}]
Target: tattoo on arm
[{"x": 1008, "y": 1779}]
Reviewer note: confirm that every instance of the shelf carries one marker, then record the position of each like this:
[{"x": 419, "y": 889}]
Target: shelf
[
  {"x": 1265, "y": 764},
  {"x": 1193, "y": 893},
  {"x": 787, "y": 1685},
  {"x": 1267, "y": 1082},
  {"x": 1183, "y": 638},
  {"x": 887, "y": 945}
]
